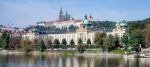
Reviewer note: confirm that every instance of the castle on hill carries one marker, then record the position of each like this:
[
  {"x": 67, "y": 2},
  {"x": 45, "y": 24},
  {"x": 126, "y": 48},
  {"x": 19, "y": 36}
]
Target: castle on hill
[{"x": 84, "y": 30}]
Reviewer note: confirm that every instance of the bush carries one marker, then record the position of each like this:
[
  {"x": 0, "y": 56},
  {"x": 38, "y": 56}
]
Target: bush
[
  {"x": 66, "y": 46},
  {"x": 80, "y": 48},
  {"x": 92, "y": 46},
  {"x": 57, "y": 46},
  {"x": 118, "y": 51}
]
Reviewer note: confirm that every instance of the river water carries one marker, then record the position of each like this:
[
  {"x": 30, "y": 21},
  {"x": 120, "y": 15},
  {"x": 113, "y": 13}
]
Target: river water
[{"x": 71, "y": 61}]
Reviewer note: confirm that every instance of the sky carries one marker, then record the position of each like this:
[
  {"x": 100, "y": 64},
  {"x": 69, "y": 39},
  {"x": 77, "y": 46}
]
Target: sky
[{"x": 22, "y": 13}]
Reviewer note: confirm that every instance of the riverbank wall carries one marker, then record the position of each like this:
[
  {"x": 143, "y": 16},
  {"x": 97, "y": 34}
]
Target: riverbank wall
[{"x": 58, "y": 52}]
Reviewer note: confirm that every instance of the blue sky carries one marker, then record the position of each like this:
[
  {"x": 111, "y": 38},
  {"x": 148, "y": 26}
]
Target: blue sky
[{"x": 22, "y": 13}]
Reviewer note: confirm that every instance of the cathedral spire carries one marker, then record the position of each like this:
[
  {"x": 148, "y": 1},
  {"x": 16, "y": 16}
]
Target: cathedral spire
[
  {"x": 66, "y": 12},
  {"x": 60, "y": 15},
  {"x": 61, "y": 10}
]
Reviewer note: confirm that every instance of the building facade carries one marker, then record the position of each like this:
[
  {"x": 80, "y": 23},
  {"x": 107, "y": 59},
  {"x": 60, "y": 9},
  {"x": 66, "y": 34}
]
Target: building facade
[{"x": 84, "y": 31}]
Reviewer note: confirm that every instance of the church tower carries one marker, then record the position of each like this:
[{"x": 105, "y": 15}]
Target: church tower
[
  {"x": 61, "y": 17},
  {"x": 66, "y": 16}
]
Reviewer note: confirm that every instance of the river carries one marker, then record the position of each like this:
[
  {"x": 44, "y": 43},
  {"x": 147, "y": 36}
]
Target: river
[{"x": 71, "y": 61}]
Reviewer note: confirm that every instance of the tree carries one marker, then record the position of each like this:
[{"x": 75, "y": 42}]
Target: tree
[
  {"x": 64, "y": 42},
  {"x": 56, "y": 43},
  {"x": 2, "y": 42},
  {"x": 147, "y": 34},
  {"x": 35, "y": 44},
  {"x": 117, "y": 41},
  {"x": 148, "y": 20},
  {"x": 14, "y": 42},
  {"x": 80, "y": 41},
  {"x": 88, "y": 42},
  {"x": 124, "y": 40},
  {"x": 42, "y": 46},
  {"x": 72, "y": 42},
  {"x": 113, "y": 41},
  {"x": 80, "y": 48},
  {"x": 49, "y": 44},
  {"x": 26, "y": 45},
  {"x": 5, "y": 36},
  {"x": 97, "y": 38},
  {"x": 134, "y": 26},
  {"x": 136, "y": 40},
  {"x": 102, "y": 38},
  {"x": 108, "y": 42},
  {"x": 135, "y": 34}
]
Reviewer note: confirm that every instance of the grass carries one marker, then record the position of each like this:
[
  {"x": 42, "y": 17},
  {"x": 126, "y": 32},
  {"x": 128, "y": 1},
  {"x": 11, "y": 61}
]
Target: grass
[{"x": 118, "y": 51}]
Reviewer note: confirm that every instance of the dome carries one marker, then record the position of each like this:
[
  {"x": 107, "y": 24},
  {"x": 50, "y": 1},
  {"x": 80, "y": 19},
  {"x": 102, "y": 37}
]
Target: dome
[
  {"x": 85, "y": 21},
  {"x": 123, "y": 24}
]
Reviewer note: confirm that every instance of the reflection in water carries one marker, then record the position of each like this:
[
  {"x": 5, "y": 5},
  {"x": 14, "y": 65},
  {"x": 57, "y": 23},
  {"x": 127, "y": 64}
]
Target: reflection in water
[{"x": 76, "y": 61}]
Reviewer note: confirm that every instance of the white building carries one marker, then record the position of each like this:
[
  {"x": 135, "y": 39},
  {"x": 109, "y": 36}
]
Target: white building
[
  {"x": 119, "y": 30},
  {"x": 61, "y": 24},
  {"x": 30, "y": 35},
  {"x": 84, "y": 34}
]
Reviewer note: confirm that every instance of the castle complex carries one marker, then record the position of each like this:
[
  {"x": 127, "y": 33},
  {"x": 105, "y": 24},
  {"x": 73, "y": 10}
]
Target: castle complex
[{"x": 84, "y": 31}]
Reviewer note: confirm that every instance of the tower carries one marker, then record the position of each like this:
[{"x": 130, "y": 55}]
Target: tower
[
  {"x": 66, "y": 13},
  {"x": 66, "y": 16},
  {"x": 60, "y": 17}
]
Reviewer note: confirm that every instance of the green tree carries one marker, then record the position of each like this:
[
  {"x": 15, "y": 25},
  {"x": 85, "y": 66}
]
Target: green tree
[
  {"x": 42, "y": 46},
  {"x": 113, "y": 41},
  {"x": 89, "y": 42},
  {"x": 106, "y": 44},
  {"x": 147, "y": 34},
  {"x": 147, "y": 20},
  {"x": 135, "y": 33},
  {"x": 2, "y": 42},
  {"x": 35, "y": 44},
  {"x": 117, "y": 41},
  {"x": 5, "y": 36},
  {"x": 97, "y": 38},
  {"x": 72, "y": 42},
  {"x": 56, "y": 43},
  {"x": 109, "y": 42},
  {"x": 80, "y": 41},
  {"x": 124, "y": 40},
  {"x": 136, "y": 39},
  {"x": 64, "y": 42},
  {"x": 80, "y": 48},
  {"x": 49, "y": 44},
  {"x": 26, "y": 45}
]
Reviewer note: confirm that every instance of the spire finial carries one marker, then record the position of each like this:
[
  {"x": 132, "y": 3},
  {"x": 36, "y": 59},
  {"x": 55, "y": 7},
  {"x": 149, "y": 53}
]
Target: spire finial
[{"x": 85, "y": 16}]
